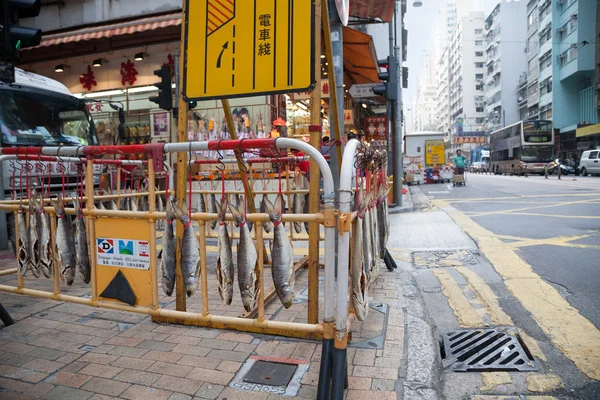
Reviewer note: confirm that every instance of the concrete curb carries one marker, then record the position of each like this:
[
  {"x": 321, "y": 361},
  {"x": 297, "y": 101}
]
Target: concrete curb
[{"x": 407, "y": 204}]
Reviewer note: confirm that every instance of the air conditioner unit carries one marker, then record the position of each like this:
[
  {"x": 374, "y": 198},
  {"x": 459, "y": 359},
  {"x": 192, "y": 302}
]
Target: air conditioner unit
[{"x": 574, "y": 17}]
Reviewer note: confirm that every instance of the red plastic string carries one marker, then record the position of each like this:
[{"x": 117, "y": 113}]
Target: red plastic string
[
  {"x": 13, "y": 194},
  {"x": 222, "y": 187},
  {"x": 63, "y": 180},
  {"x": 279, "y": 172},
  {"x": 190, "y": 194},
  {"x": 265, "y": 182},
  {"x": 166, "y": 188},
  {"x": 245, "y": 197}
]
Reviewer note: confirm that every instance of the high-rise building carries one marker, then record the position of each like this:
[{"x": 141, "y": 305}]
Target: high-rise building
[
  {"x": 531, "y": 92},
  {"x": 546, "y": 35},
  {"x": 426, "y": 96},
  {"x": 466, "y": 73},
  {"x": 505, "y": 37},
  {"x": 442, "y": 102}
]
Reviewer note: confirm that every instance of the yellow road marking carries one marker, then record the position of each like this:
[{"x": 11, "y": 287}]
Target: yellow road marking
[
  {"x": 566, "y": 203},
  {"x": 488, "y": 298},
  {"x": 564, "y": 241},
  {"x": 501, "y": 397},
  {"x": 466, "y": 315},
  {"x": 572, "y": 333},
  {"x": 492, "y": 380},
  {"x": 532, "y": 345},
  {"x": 554, "y": 215},
  {"x": 543, "y": 383}
]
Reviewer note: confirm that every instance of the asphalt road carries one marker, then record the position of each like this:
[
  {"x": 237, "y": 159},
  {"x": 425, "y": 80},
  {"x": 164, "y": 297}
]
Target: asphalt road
[{"x": 553, "y": 225}]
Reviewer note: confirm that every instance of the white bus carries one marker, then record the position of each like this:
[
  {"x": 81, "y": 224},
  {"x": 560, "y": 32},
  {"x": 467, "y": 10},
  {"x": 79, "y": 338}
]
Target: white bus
[{"x": 522, "y": 148}]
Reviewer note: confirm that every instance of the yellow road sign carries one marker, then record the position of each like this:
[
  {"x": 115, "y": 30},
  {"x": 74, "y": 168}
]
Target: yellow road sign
[{"x": 236, "y": 48}]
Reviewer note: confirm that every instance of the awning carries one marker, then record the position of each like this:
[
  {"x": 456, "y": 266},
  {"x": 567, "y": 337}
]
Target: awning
[
  {"x": 360, "y": 58},
  {"x": 587, "y": 130},
  {"x": 371, "y": 9},
  {"x": 116, "y": 29}
]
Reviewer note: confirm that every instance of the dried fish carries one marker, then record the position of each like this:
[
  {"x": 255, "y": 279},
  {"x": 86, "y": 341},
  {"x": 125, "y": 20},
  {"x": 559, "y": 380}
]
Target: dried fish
[
  {"x": 282, "y": 255},
  {"x": 168, "y": 261},
  {"x": 45, "y": 242},
  {"x": 306, "y": 210},
  {"x": 190, "y": 252},
  {"x": 212, "y": 208},
  {"x": 267, "y": 226},
  {"x": 34, "y": 242},
  {"x": 225, "y": 267},
  {"x": 246, "y": 261},
  {"x": 83, "y": 256},
  {"x": 360, "y": 281},
  {"x": 65, "y": 243},
  {"x": 201, "y": 203},
  {"x": 23, "y": 250}
]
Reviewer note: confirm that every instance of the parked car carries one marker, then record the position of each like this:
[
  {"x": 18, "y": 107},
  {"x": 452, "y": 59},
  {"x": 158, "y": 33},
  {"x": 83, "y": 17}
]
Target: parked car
[
  {"x": 590, "y": 162},
  {"x": 567, "y": 167},
  {"x": 477, "y": 166}
]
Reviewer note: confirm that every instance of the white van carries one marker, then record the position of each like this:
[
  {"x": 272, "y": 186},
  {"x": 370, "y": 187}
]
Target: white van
[{"x": 590, "y": 162}]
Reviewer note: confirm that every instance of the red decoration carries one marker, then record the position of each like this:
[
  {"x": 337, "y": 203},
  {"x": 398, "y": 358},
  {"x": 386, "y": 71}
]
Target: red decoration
[
  {"x": 171, "y": 64},
  {"x": 88, "y": 79},
  {"x": 128, "y": 73}
]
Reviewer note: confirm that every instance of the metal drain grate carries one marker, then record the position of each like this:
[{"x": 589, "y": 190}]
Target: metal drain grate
[
  {"x": 485, "y": 350},
  {"x": 270, "y": 373}
]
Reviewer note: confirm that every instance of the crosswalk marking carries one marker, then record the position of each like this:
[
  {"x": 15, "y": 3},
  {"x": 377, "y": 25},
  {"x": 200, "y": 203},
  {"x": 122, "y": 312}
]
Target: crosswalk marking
[{"x": 571, "y": 332}]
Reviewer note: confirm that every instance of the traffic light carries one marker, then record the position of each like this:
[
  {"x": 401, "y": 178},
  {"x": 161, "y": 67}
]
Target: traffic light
[
  {"x": 13, "y": 37},
  {"x": 165, "y": 91},
  {"x": 390, "y": 88}
]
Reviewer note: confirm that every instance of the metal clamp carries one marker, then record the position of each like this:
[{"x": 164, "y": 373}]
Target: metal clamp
[{"x": 344, "y": 223}]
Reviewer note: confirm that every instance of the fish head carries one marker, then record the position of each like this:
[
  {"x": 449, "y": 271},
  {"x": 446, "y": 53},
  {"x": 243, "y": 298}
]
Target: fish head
[
  {"x": 181, "y": 213},
  {"x": 170, "y": 211},
  {"x": 286, "y": 295},
  {"x": 363, "y": 200},
  {"x": 238, "y": 215},
  {"x": 274, "y": 210}
]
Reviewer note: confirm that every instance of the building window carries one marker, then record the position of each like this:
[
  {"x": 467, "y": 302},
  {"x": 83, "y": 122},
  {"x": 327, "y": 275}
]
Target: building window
[
  {"x": 478, "y": 31},
  {"x": 478, "y": 109},
  {"x": 479, "y": 54},
  {"x": 478, "y": 76},
  {"x": 479, "y": 86},
  {"x": 479, "y": 43},
  {"x": 478, "y": 65}
]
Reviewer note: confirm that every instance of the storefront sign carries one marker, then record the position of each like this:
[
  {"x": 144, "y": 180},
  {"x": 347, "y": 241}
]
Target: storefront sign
[
  {"x": 434, "y": 152},
  {"x": 348, "y": 117},
  {"x": 325, "y": 90},
  {"x": 243, "y": 48},
  {"x": 583, "y": 145},
  {"x": 376, "y": 129},
  {"x": 471, "y": 139},
  {"x": 160, "y": 124}
]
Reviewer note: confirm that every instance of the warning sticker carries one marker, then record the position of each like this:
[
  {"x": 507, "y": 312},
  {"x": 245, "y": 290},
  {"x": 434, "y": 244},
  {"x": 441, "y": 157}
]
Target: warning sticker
[{"x": 123, "y": 253}]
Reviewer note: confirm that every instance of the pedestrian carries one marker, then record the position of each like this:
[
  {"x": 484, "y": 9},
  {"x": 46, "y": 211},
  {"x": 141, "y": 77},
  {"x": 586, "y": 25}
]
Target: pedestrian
[
  {"x": 558, "y": 167},
  {"x": 459, "y": 162}
]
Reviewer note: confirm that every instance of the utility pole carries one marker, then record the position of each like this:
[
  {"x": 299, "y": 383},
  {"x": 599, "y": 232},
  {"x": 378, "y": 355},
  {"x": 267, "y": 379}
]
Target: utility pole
[
  {"x": 398, "y": 139},
  {"x": 338, "y": 68}
]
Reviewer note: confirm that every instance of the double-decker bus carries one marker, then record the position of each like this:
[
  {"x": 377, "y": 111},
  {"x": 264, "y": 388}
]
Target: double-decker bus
[{"x": 522, "y": 148}]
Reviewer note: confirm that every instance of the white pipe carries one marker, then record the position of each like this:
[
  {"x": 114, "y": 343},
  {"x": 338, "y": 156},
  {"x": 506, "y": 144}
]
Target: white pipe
[
  {"x": 185, "y": 147},
  {"x": 329, "y": 197},
  {"x": 246, "y": 160},
  {"x": 9, "y": 157},
  {"x": 345, "y": 194}
]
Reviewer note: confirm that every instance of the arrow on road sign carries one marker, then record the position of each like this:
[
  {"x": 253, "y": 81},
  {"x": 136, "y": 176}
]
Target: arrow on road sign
[
  {"x": 225, "y": 46},
  {"x": 362, "y": 91}
]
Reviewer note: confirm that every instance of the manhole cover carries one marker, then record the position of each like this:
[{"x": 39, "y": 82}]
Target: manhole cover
[
  {"x": 270, "y": 373},
  {"x": 485, "y": 350}
]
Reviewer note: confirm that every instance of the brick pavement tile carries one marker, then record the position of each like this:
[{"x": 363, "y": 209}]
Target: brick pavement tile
[
  {"x": 68, "y": 358},
  {"x": 101, "y": 370},
  {"x": 171, "y": 330},
  {"x": 103, "y": 348},
  {"x": 195, "y": 361},
  {"x": 228, "y": 366},
  {"x": 132, "y": 363},
  {"x": 180, "y": 396},
  {"x": 42, "y": 365},
  {"x": 97, "y": 396},
  {"x": 393, "y": 349},
  {"x": 67, "y": 393},
  {"x": 374, "y": 372},
  {"x": 106, "y": 386},
  {"x": 68, "y": 379},
  {"x": 170, "y": 369},
  {"x": 47, "y": 354},
  {"x": 284, "y": 349},
  {"x": 136, "y": 392},
  {"x": 182, "y": 385},
  {"x": 138, "y": 377},
  {"x": 156, "y": 345},
  {"x": 97, "y": 341},
  {"x": 15, "y": 360},
  {"x": 395, "y": 333},
  {"x": 359, "y": 383},
  {"x": 364, "y": 357},
  {"x": 144, "y": 335},
  {"x": 218, "y": 344},
  {"x": 16, "y": 348},
  {"x": 308, "y": 392},
  {"x": 245, "y": 347},
  {"x": 235, "y": 337},
  {"x": 310, "y": 378},
  {"x": 189, "y": 340},
  {"x": 202, "y": 333},
  {"x": 124, "y": 341},
  {"x": 39, "y": 390},
  {"x": 304, "y": 351},
  {"x": 209, "y": 391},
  {"x": 17, "y": 386},
  {"x": 384, "y": 385},
  {"x": 163, "y": 356},
  {"x": 388, "y": 362},
  {"x": 368, "y": 395},
  {"x": 228, "y": 355},
  {"x": 210, "y": 376},
  {"x": 193, "y": 350},
  {"x": 266, "y": 347},
  {"x": 234, "y": 394},
  {"x": 74, "y": 366},
  {"x": 98, "y": 358},
  {"x": 128, "y": 351}
]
